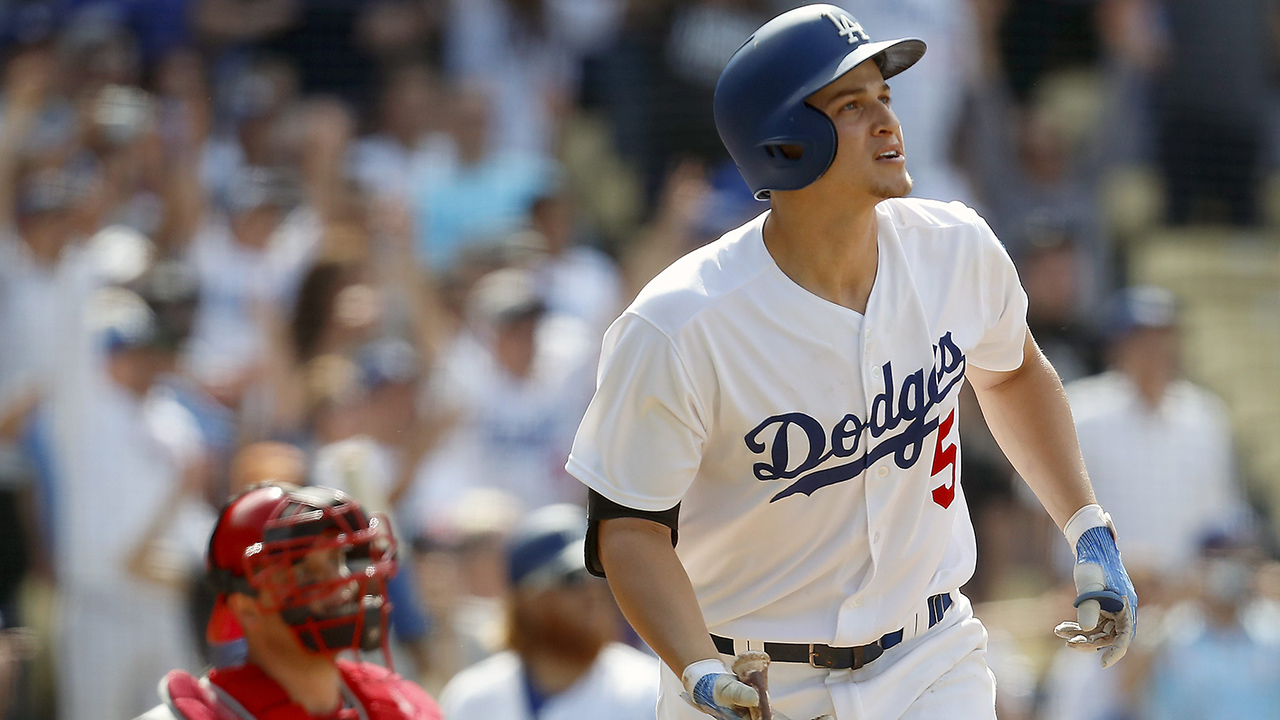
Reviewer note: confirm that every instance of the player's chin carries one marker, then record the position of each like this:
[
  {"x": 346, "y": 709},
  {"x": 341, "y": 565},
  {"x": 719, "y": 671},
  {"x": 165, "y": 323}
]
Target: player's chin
[{"x": 892, "y": 187}]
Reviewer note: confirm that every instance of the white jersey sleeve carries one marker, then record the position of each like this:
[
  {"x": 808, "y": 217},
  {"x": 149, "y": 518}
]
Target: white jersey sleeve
[
  {"x": 1003, "y": 303},
  {"x": 640, "y": 443}
]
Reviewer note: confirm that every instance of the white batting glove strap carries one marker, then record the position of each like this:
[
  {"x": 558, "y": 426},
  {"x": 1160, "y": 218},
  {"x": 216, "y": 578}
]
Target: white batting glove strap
[
  {"x": 711, "y": 688},
  {"x": 1089, "y": 516}
]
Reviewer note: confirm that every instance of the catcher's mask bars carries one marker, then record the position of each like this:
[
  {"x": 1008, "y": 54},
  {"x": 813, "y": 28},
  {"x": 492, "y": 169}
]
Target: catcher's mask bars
[
  {"x": 760, "y": 104},
  {"x": 313, "y": 555}
]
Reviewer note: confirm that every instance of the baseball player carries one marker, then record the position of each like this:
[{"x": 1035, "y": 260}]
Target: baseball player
[
  {"x": 783, "y": 403},
  {"x": 301, "y": 574}
]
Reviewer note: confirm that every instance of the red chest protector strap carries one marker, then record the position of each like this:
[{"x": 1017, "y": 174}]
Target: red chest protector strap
[{"x": 247, "y": 693}]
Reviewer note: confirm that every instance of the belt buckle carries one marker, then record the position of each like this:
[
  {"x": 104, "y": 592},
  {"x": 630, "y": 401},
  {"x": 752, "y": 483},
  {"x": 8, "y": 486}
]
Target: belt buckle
[{"x": 820, "y": 656}]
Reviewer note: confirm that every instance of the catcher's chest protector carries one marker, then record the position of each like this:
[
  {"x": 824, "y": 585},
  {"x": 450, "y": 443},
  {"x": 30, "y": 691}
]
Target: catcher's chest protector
[{"x": 247, "y": 693}]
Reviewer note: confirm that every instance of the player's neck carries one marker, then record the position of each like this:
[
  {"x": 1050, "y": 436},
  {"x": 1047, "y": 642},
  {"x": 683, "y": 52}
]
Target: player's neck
[
  {"x": 831, "y": 254},
  {"x": 312, "y": 681}
]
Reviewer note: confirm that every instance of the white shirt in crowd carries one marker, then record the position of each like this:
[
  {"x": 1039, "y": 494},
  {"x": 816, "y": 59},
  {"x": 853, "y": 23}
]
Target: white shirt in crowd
[
  {"x": 621, "y": 685},
  {"x": 1165, "y": 475},
  {"x": 388, "y": 169},
  {"x": 127, "y": 460},
  {"x": 234, "y": 279},
  {"x": 812, "y": 448},
  {"x": 512, "y": 434},
  {"x": 121, "y": 633},
  {"x": 39, "y": 323},
  {"x": 583, "y": 283}
]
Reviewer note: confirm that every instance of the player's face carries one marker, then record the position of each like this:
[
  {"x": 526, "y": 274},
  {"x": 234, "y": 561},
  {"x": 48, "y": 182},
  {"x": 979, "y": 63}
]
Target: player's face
[{"x": 870, "y": 156}]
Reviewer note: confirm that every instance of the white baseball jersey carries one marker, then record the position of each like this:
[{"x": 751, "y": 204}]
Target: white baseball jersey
[
  {"x": 813, "y": 449},
  {"x": 622, "y": 684}
]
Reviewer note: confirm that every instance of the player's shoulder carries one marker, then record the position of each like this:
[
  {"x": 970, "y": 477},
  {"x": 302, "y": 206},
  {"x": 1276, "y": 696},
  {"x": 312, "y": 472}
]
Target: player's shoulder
[
  {"x": 703, "y": 278},
  {"x": 490, "y": 676},
  {"x": 908, "y": 214}
]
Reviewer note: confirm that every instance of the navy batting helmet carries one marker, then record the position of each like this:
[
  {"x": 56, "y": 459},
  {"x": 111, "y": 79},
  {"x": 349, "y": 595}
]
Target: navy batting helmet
[{"x": 760, "y": 98}]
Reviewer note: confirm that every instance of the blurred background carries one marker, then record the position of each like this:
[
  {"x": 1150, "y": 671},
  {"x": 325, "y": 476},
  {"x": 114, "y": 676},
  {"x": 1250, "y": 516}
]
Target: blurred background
[{"x": 374, "y": 244}]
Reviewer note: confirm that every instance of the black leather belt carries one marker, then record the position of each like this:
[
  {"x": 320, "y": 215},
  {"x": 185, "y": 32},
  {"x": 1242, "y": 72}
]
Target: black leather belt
[{"x": 838, "y": 658}]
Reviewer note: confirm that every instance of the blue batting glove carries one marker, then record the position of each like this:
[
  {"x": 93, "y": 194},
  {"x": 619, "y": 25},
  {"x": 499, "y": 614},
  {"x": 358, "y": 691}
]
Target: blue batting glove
[
  {"x": 710, "y": 687},
  {"x": 1106, "y": 604}
]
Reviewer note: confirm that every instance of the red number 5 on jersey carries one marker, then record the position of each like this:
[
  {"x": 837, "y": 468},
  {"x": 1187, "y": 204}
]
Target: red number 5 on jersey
[{"x": 944, "y": 457}]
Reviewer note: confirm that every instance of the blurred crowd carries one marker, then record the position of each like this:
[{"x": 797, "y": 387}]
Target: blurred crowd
[{"x": 375, "y": 244}]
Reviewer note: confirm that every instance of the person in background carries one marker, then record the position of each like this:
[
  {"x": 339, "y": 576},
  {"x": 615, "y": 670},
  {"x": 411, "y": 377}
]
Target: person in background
[
  {"x": 1140, "y": 424},
  {"x": 130, "y": 461},
  {"x": 579, "y": 281},
  {"x": 1219, "y": 662},
  {"x": 563, "y": 663},
  {"x": 483, "y": 194},
  {"x": 517, "y": 384},
  {"x": 372, "y": 439},
  {"x": 1054, "y": 275}
]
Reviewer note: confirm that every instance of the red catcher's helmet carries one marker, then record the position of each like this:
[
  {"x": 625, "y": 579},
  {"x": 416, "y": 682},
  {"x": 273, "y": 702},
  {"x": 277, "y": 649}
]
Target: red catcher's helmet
[{"x": 312, "y": 554}]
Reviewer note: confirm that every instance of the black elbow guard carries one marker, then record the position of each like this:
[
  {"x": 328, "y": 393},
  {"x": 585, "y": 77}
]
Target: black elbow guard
[{"x": 601, "y": 508}]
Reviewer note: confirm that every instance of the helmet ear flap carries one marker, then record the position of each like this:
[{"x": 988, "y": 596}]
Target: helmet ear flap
[{"x": 803, "y": 154}]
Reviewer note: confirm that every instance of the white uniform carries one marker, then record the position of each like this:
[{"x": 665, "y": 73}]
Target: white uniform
[
  {"x": 813, "y": 449},
  {"x": 622, "y": 684}
]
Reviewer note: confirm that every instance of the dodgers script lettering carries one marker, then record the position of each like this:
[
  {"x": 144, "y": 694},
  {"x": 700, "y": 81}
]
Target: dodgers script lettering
[{"x": 908, "y": 403}]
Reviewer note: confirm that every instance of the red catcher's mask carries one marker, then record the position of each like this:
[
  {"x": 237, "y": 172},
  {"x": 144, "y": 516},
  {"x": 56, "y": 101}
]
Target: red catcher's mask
[{"x": 313, "y": 555}]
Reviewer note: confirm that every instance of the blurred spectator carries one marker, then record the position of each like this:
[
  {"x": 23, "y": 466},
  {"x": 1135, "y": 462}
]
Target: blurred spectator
[
  {"x": 1216, "y": 664},
  {"x": 373, "y": 438},
  {"x": 1032, "y": 175},
  {"x": 255, "y": 102},
  {"x": 519, "y": 381},
  {"x": 134, "y": 454},
  {"x": 463, "y": 570},
  {"x": 408, "y": 140},
  {"x": 251, "y": 257},
  {"x": 39, "y": 285},
  {"x": 483, "y": 193},
  {"x": 527, "y": 53},
  {"x": 335, "y": 45},
  {"x": 1054, "y": 275},
  {"x": 562, "y": 662},
  {"x": 265, "y": 462},
  {"x": 369, "y": 441},
  {"x": 1157, "y": 447},
  {"x": 656, "y": 82},
  {"x": 929, "y": 103},
  {"x": 1038, "y": 38},
  {"x": 579, "y": 281},
  {"x": 1228, "y": 47}
]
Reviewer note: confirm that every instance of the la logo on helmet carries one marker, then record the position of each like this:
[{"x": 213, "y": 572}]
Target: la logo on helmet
[{"x": 849, "y": 30}]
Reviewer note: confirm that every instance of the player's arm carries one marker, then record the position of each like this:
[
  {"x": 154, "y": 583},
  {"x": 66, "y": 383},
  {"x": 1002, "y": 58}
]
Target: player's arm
[
  {"x": 654, "y": 592},
  {"x": 1029, "y": 417},
  {"x": 638, "y": 448}
]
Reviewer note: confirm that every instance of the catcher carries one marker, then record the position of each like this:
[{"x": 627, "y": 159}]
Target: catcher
[{"x": 301, "y": 573}]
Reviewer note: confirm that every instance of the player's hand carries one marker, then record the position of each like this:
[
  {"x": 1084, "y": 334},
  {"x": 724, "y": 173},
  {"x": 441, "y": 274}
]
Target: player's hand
[
  {"x": 1106, "y": 604},
  {"x": 711, "y": 688}
]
